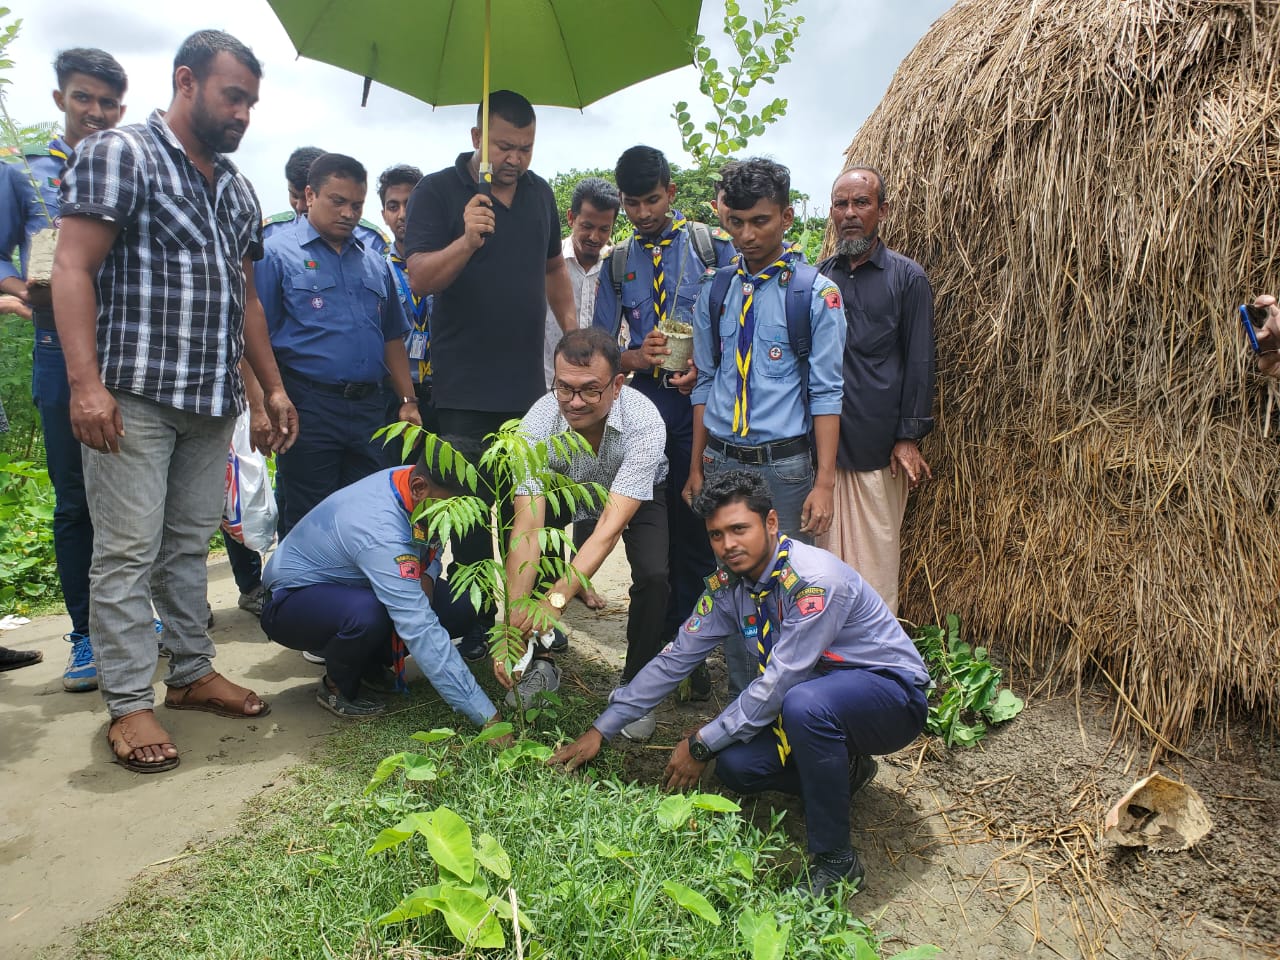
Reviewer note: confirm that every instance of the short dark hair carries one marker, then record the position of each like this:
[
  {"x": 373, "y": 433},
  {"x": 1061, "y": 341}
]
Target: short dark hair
[
  {"x": 747, "y": 182},
  {"x": 881, "y": 190},
  {"x": 510, "y": 106},
  {"x": 733, "y": 486},
  {"x": 299, "y": 164},
  {"x": 640, "y": 169},
  {"x": 92, "y": 62},
  {"x": 329, "y": 165},
  {"x": 433, "y": 472},
  {"x": 199, "y": 49},
  {"x": 580, "y": 347},
  {"x": 398, "y": 176},
  {"x": 598, "y": 192}
]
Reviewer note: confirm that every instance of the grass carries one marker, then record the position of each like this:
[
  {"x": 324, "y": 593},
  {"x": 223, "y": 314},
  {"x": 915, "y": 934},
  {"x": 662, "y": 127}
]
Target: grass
[{"x": 592, "y": 865}]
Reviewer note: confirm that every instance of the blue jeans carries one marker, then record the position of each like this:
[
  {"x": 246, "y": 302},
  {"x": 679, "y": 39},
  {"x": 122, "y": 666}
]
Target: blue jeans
[
  {"x": 155, "y": 504},
  {"x": 72, "y": 527},
  {"x": 828, "y": 720},
  {"x": 790, "y": 481}
]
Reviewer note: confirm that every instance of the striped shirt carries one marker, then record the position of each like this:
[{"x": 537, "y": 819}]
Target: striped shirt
[{"x": 171, "y": 292}]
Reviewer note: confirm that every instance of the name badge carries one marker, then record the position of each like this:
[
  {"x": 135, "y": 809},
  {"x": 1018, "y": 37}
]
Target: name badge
[{"x": 417, "y": 345}]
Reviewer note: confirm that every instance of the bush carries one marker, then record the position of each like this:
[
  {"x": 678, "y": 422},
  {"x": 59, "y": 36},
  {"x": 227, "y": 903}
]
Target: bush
[{"x": 28, "y": 573}]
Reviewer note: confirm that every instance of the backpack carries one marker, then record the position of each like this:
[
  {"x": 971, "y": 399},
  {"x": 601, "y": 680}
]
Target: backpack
[
  {"x": 699, "y": 235},
  {"x": 799, "y": 320}
]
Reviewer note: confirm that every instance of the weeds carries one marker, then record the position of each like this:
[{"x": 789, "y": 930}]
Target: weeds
[{"x": 968, "y": 695}]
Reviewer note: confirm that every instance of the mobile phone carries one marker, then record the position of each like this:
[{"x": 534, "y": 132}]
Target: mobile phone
[{"x": 1252, "y": 318}]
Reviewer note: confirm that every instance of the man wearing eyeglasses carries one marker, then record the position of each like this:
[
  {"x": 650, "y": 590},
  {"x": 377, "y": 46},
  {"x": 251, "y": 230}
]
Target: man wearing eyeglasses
[{"x": 627, "y": 437}]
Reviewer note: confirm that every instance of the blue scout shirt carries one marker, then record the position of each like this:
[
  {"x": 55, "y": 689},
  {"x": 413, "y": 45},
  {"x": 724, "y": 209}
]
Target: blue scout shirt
[
  {"x": 830, "y": 620},
  {"x": 683, "y": 273},
  {"x": 778, "y": 411},
  {"x": 366, "y": 232},
  {"x": 418, "y": 312},
  {"x": 25, "y": 211},
  {"x": 361, "y": 536},
  {"x": 329, "y": 315}
]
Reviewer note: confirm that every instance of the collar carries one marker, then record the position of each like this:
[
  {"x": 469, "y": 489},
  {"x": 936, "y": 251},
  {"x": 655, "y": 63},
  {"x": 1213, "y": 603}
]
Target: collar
[
  {"x": 306, "y": 234},
  {"x": 567, "y": 251},
  {"x": 400, "y": 487},
  {"x": 160, "y": 128},
  {"x": 877, "y": 258},
  {"x": 58, "y": 148}
]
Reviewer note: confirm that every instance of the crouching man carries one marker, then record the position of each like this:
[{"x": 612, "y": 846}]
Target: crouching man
[
  {"x": 837, "y": 678},
  {"x": 358, "y": 582}
]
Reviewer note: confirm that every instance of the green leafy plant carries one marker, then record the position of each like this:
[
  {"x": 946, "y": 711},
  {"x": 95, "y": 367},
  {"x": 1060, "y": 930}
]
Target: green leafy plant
[
  {"x": 761, "y": 48},
  {"x": 28, "y": 574},
  {"x": 968, "y": 695}
]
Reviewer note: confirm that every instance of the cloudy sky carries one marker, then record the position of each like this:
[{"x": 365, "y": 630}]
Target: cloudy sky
[{"x": 846, "y": 56}]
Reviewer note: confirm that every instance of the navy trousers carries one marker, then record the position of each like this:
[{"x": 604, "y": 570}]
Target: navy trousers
[
  {"x": 72, "y": 527},
  {"x": 349, "y": 626},
  {"x": 246, "y": 565},
  {"x": 828, "y": 720}
]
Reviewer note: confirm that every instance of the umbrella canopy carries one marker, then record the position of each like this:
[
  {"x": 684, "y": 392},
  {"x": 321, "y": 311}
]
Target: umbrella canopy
[{"x": 564, "y": 53}]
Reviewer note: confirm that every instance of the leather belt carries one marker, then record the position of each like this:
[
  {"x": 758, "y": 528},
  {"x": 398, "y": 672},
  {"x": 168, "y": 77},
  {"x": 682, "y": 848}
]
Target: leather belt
[
  {"x": 348, "y": 391},
  {"x": 765, "y": 453}
]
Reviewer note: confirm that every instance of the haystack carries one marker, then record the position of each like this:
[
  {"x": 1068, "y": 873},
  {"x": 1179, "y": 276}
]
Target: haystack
[{"x": 1093, "y": 186}]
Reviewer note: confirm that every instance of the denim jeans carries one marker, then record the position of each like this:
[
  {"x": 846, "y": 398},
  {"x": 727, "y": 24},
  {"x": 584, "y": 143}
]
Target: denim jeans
[
  {"x": 155, "y": 504},
  {"x": 72, "y": 527},
  {"x": 790, "y": 481}
]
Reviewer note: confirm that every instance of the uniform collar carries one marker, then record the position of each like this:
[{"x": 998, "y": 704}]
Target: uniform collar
[
  {"x": 306, "y": 234},
  {"x": 59, "y": 146},
  {"x": 400, "y": 487}
]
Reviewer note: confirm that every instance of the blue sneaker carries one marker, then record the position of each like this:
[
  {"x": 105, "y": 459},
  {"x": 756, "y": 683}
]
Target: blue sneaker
[{"x": 81, "y": 673}]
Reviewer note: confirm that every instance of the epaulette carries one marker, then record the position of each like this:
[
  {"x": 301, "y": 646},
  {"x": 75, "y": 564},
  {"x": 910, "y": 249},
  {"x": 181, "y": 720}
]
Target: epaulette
[
  {"x": 282, "y": 217},
  {"x": 720, "y": 233},
  {"x": 792, "y": 583},
  {"x": 722, "y": 579},
  {"x": 375, "y": 228}
]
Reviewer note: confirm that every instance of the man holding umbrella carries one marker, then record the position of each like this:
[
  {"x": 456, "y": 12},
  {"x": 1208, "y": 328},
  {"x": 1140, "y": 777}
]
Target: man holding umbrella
[{"x": 490, "y": 254}]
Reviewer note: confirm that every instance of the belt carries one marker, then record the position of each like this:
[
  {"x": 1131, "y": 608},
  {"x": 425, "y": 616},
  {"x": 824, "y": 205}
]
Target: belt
[
  {"x": 348, "y": 391},
  {"x": 43, "y": 319},
  {"x": 765, "y": 453}
]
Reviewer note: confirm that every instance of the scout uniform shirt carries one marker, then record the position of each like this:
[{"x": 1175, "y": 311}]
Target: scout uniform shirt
[
  {"x": 778, "y": 411},
  {"x": 368, "y": 233},
  {"x": 29, "y": 202},
  {"x": 329, "y": 314},
  {"x": 827, "y": 619},
  {"x": 362, "y": 536}
]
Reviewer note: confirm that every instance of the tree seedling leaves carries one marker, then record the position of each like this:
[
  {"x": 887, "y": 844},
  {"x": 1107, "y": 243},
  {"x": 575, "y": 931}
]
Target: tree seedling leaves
[
  {"x": 692, "y": 901},
  {"x": 470, "y": 919},
  {"x": 674, "y": 811},
  {"x": 433, "y": 736},
  {"x": 492, "y": 857},
  {"x": 713, "y": 802},
  {"x": 767, "y": 938},
  {"x": 449, "y": 843},
  {"x": 526, "y": 751}
]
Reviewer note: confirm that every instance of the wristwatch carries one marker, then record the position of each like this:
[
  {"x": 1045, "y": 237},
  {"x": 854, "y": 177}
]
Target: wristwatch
[
  {"x": 404, "y": 400},
  {"x": 557, "y": 600},
  {"x": 699, "y": 750}
]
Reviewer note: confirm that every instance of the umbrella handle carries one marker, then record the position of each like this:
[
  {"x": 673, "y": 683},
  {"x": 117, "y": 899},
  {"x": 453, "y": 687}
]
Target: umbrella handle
[{"x": 486, "y": 168}]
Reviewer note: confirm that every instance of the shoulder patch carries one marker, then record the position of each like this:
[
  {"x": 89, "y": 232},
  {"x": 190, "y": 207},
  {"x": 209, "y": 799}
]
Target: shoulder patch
[
  {"x": 704, "y": 605},
  {"x": 285, "y": 216},
  {"x": 831, "y": 296},
  {"x": 720, "y": 233},
  {"x": 789, "y": 578},
  {"x": 811, "y": 601},
  {"x": 717, "y": 581},
  {"x": 410, "y": 566},
  {"x": 693, "y": 624}
]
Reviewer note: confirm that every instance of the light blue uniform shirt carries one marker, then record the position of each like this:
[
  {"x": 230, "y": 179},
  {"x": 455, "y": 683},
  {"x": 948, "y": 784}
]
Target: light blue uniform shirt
[
  {"x": 361, "y": 536},
  {"x": 778, "y": 411},
  {"x": 826, "y": 618},
  {"x": 329, "y": 315},
  {"x": 25, "y": 211},
  {"x": 365, "y": 232},
  {"x": 683, "y": 276}
]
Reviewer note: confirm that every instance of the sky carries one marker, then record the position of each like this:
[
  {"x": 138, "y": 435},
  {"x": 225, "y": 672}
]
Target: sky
[{"x": 845, "y": 57}]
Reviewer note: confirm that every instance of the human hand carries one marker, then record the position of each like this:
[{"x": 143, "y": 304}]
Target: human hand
[
  {"x": 284, "y": 420},
  {"x": 260, "y": 430},
  {"x": 95, "y": 418},
  {"x": 478, "y": 220},
  {"x": 654, "y": 348},
  {"x": 692, "y": 486},
  {"x": 409, "y": 413},
  {"x": 906, "y": 456},
  {"x": 579, "y": 753},
  {"x": 682, "y": 771},
  {"x": 1269, "y": 337},
  {"x": 819, "y": 507},
  {"x": 685, "y": 382}
]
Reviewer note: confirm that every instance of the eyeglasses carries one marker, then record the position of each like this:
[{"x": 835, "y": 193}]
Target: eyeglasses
[{"x": 565, "y": 393}]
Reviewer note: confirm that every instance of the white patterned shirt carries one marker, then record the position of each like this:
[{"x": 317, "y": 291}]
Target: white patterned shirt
[{"x": 585, "y": 283}]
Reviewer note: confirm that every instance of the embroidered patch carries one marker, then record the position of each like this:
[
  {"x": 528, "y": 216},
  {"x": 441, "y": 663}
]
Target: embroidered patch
[
  {"x": 419, "y": 535},
  {"x": 784, "y": 278},
  {"x": 812, "y": 592},
  {"x": 317, "y": 302},
  {"x": 410, "y": 566},
  {"x": 808, "y": 606},
  {"x": 55, "y": 182},
  {"x": 704, "y": 605},
  {"x": 775, "y": 353},
  {"x": 631, "y": 276},
  {"x": 789, "y": 578},
  {"x": 717, "y": 581},
  {"x": 311, "y": 265},
  {"x": 831, "y": 295},
  {"x": 749, "y": 627},
  {"x": 694, "y": 624}
]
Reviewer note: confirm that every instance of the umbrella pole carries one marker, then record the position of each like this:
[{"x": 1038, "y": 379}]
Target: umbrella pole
[{"x": 486, "y": 171}]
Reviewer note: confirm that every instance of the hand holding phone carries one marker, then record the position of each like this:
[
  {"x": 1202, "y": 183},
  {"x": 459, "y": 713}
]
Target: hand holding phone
[{"x": 1252, "y": 318}]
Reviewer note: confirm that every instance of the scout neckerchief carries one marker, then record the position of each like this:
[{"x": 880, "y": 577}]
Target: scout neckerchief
[
  {"x": 747, "y": 332},
  {"x": 765, "y": 638},
  {"x": 421, "y": 318},
  {"x": 656, "y": 249}
]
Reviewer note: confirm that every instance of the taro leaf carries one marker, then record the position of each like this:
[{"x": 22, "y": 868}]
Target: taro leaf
[
  {"x": 449, "y": 842},
  {"x": 419, "y": 768},
  {"x": 501, "y": 906},
  {"x": 524, "y": 752},
  {"x": 674, "y": 811},
  {"x": 610, "y": 852},
  {"x": 433, "y": 736},
  {"x": 768, "y": 939},
  {"x": 858, "y": 945},
  {"x": 417, "y": 904},
  {"x": 742, "y": 864},
  {"x": 1006, "y": 707},
  {"x": 491, "y": 733},
  {"x": 492, "y": 857},
  {"x": 388, "y": 838},
  {"x": 385, "y": 768},
  {"x": 713, "y": 802},
  {"x": 925, "y": 951},
  {"x": 692, "y": 901},
  {"x": 470, "y": 919}
]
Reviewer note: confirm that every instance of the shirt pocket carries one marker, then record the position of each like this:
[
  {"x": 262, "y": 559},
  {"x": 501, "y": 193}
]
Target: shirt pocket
[
  {"x": 687, "y": 299},
  {"x": 179, "y": 222},
  {"x": 372, "y": 298},
  {"x": 776, "y": 358},
  {"x": 309, "y": 291},
  {"x": 728, "y": 334}
]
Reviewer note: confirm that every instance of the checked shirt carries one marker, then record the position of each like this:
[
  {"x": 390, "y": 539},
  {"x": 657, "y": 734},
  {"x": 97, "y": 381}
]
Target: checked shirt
[{"x": 171, "y": 292}]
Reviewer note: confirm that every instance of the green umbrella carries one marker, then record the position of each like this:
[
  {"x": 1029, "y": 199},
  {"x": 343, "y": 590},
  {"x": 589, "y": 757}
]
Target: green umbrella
[{"x": 563, "y": 53}]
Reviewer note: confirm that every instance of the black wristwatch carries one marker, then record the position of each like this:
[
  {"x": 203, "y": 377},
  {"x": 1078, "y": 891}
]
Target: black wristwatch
[{"x": 699, "y": 750}]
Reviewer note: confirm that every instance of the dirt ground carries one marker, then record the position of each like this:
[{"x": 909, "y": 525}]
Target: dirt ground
[{"x": 989, "y": 853}]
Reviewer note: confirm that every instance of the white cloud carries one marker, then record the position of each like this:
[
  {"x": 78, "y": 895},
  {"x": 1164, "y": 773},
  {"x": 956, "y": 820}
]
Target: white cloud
[{"x": 845, "y": 58}]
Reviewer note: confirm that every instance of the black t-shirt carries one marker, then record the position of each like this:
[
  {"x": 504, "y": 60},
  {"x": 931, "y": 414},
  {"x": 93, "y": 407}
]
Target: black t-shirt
[{"x": 488, "y": 326}]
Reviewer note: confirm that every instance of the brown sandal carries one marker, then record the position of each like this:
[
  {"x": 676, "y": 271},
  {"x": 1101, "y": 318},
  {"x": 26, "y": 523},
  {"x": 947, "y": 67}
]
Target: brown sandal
[
  {"x": 214, "y": 693},
  {"x": 128, "y": 734}
]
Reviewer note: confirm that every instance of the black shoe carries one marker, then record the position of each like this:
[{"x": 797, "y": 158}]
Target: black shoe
[
  {"x": 333, "y": 701},
  {"x": 474, "y": 647},
  {"x": 700, "y": 682},
  {"x": 862, "y": 772},
  {"x": 559, "y": 642},
  {"x": 824, "y": 873}
]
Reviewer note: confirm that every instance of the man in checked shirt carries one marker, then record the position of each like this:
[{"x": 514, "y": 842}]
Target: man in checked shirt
[{"x": 837, "y": 679}]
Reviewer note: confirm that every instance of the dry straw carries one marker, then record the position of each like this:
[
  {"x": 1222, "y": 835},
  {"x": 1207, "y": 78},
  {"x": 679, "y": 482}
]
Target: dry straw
[{"x": 1092, "y": 187}]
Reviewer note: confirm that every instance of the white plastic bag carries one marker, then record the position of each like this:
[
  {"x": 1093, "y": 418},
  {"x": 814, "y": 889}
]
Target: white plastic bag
[{"x": 249, "y": 510}]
